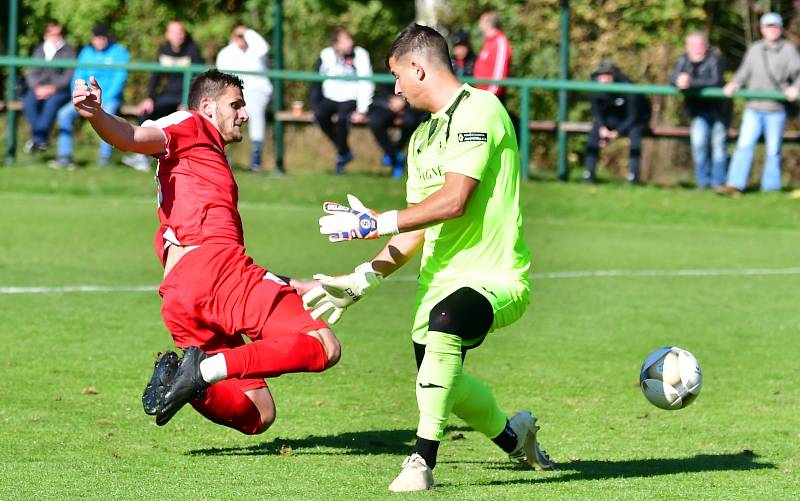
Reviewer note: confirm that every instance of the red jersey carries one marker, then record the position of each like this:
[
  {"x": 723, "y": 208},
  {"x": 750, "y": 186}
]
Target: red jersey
[
  {"x": 494, "y": 61},
  {"x": 197, "y": 195}
]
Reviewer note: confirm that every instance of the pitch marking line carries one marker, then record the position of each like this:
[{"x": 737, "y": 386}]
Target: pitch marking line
[{"x": 555, "y": 275}]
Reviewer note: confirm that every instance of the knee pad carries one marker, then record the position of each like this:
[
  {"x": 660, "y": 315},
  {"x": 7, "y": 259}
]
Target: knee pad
[{"x": 465, "y": 313}]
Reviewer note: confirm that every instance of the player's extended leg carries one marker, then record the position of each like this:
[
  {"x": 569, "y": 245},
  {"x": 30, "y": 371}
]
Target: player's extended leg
[{"x": 255, "y": 302}]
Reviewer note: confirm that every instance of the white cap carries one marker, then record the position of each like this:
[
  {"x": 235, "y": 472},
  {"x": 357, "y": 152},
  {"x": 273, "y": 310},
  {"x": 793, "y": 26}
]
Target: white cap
[{"x": 771, "y": 18}]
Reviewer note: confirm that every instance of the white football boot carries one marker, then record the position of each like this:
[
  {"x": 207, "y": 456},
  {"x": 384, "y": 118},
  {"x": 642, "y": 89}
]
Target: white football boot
[
  {"x": 415, "y": 476},
  {"x": 527, "y": 451}
]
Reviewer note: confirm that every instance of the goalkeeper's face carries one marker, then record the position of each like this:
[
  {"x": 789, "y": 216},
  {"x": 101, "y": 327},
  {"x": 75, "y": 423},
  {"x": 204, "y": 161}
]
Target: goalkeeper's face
[
  {"x": 228, "y": 114},
  {"x": 408, "y": 77}
]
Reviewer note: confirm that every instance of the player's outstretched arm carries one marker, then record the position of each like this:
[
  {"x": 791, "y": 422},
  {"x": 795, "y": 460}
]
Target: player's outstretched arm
[
  {"x": 87, "y": 99},
  {"x": 359, "y": 222}
]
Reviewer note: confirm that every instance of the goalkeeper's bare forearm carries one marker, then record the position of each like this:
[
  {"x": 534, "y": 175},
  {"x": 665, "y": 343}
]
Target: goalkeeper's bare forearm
[{"x": 397, "y": 251}]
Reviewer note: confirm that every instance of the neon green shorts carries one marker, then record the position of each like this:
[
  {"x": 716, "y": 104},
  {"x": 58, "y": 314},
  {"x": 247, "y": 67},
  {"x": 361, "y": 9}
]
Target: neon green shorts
[{"x": 508, "y": 299}]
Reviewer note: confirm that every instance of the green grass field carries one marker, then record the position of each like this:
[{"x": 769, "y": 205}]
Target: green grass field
[{"x": 73, "y": 364}]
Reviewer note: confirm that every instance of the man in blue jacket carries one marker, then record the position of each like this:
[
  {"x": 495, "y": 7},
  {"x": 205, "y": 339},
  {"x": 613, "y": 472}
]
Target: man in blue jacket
[{"x": 103, "y": 50}]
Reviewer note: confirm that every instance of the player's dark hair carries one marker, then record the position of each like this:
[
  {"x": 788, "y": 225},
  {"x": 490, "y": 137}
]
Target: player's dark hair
[
  {"x": 422, "y": 40},
  {"x": 211, "y": 84}
]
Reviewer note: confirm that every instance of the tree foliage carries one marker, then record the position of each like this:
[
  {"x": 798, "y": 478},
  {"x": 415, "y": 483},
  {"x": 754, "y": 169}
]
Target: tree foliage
[{"x": 643, "y": 37}]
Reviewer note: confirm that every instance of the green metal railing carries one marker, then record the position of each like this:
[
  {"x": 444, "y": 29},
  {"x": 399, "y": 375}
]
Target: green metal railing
[{"x": 526, "y": 85}]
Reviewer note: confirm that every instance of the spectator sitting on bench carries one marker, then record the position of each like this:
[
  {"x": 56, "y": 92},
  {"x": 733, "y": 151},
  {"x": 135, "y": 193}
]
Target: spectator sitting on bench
[
  {"x": 349, "y": 100},
  {"x": 101, "y": 50},
  {"x": 178, "y": 51},
  {"x": 615, "y": 115},
  {"x": 48, "y": 88},
  {"x": 385, "y": 109}
]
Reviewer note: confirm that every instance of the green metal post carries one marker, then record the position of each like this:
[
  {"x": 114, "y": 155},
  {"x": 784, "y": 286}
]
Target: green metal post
[
  {"x": 277, "y": 95},
  {"x": 524, "y": 131},
  {"x": 187, "y": 82},
  {"x": 11, "y": 81},
  {"x": 563, "y": 74}
]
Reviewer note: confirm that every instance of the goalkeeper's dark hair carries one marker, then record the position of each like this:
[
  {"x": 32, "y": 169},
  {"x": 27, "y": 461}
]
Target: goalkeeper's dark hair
[
  {"x": 421, "y": 40},
  {"x": 211, "y": 84}
]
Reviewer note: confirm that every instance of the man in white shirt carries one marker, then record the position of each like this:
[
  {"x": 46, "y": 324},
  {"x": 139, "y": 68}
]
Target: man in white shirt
[
  {"x": 247, "y": 51},
  {"x": 349, "y": 100}
]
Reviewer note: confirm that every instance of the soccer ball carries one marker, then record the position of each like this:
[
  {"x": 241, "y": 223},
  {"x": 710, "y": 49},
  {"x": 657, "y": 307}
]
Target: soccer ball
[{"x": 670, "y": 378}]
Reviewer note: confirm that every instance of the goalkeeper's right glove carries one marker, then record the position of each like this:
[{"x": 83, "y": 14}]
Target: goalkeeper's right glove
[{"x": 338, "y": 293}]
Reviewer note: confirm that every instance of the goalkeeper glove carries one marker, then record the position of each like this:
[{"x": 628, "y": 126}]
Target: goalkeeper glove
[
  {"x": 338, "y": 293},
  {"x": 356, "y": 221}
]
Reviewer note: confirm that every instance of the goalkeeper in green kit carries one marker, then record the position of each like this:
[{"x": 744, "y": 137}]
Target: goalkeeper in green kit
[{"x": 464, "y": 212}]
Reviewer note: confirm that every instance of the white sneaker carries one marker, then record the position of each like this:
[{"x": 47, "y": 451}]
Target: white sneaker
[
  {"x": 415, "y": 476},
  {"x": 528, "y": 452},
  {"x": 137, "y": 161}
]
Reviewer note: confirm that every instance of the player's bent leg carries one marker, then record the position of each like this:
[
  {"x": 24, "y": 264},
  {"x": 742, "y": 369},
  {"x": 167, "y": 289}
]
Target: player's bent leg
[
  {"x": 262, "y": 399},
  {"x": 331, "y": 345},
  {"x": 229, "y": 403}
]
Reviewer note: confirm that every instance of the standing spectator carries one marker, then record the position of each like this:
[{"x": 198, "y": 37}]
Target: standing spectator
[
  {"x": 101, "y": 50},
  {"x": 615, "y": 115},
  {"x": 770, "y": 64},
  {"x": 461, "y": 56},
  {"x": 494, "y": 59},
  {"x": 247, "y": 51},
  {"x": 698, "y": 68},
  {"x": 48, "y": 88},
  {"x": 385, "y": 109},
  {"x": 349, "y": 100},
  {"x": 165, "y": 90}
]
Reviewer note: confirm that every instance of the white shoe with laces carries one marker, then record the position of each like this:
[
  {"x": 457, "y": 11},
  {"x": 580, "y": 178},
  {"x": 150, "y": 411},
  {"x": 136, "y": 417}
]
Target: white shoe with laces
[
  {"x": 527, "y": 451},
  {"x": 415, "y": 476}
]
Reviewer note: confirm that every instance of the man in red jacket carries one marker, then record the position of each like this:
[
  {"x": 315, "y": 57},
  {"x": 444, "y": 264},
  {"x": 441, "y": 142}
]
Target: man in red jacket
[{"x": 494, "y": 60}]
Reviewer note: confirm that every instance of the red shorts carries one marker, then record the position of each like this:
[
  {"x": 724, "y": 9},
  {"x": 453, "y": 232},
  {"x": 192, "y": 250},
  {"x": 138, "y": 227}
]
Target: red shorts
[{"x": 216, "y": 293}]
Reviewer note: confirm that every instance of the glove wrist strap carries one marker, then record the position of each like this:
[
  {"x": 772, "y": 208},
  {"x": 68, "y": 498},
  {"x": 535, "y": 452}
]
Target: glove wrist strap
[{"x": 387, "y": 223}]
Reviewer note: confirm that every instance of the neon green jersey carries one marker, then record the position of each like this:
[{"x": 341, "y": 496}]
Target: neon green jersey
[{"x": 473, "y": 136}]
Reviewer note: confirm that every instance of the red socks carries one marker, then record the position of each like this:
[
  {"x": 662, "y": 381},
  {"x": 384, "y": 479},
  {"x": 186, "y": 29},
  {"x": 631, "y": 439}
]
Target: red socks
[
  {"x": 272, "y": 356},
  {"x": 225, "y": 403}
]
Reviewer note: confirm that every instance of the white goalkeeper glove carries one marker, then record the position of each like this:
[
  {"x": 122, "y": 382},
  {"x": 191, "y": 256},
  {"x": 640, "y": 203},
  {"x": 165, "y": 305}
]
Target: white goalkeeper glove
[
  {"x": 338, "y": 293},
  {"x": 356, "y": 221}
]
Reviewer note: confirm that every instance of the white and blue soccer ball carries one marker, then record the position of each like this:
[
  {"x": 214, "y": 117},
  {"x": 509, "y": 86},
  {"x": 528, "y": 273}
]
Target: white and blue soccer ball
[{"x": 670, "y": 378}]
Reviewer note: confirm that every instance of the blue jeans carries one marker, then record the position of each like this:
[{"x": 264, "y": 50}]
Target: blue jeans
[
  {"x": 753, "y": 124},
  {"x": 41, "y": 113},
  {"x": 66, "y": 122},
  {"x": 709, "y": 128}
]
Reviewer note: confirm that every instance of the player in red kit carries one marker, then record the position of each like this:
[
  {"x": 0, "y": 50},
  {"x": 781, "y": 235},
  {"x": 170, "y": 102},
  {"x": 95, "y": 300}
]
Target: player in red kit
[
  {"x": 212, "y": 291},
  {"x": 494, "y": 59}
]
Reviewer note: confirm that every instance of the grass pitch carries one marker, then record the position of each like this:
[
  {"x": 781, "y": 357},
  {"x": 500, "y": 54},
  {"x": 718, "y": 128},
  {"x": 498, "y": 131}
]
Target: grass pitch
[{"x": 618, "y": 273}]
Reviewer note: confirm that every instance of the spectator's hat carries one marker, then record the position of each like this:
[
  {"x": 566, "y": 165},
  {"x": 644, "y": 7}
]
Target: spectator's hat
[
  {"x": 605, "y": 67},
  {"x": 461, "y": 38},
  {"x": 100, "y": 30},
  {"x": 771, "y": 19}
]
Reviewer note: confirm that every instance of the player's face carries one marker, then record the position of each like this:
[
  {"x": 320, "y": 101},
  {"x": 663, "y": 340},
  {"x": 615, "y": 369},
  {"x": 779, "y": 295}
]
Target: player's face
[
  {"x": 229, "y": 114},
  {"x": 407, "y": 81}
]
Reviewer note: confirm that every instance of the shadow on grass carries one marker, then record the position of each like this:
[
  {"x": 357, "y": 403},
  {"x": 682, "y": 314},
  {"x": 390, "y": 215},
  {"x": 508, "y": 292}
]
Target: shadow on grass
[
  {"x": 359, "y": 442},
  {"x": 591, "y": 469}
]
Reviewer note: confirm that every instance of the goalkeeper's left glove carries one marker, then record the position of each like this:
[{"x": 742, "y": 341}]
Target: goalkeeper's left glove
[
  {"x": 356, "y": 221},
  {"x": 338, "y": 293}
]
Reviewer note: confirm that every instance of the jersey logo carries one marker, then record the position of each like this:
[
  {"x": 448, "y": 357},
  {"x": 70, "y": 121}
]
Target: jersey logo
[{"x": 463, "y": 137}]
